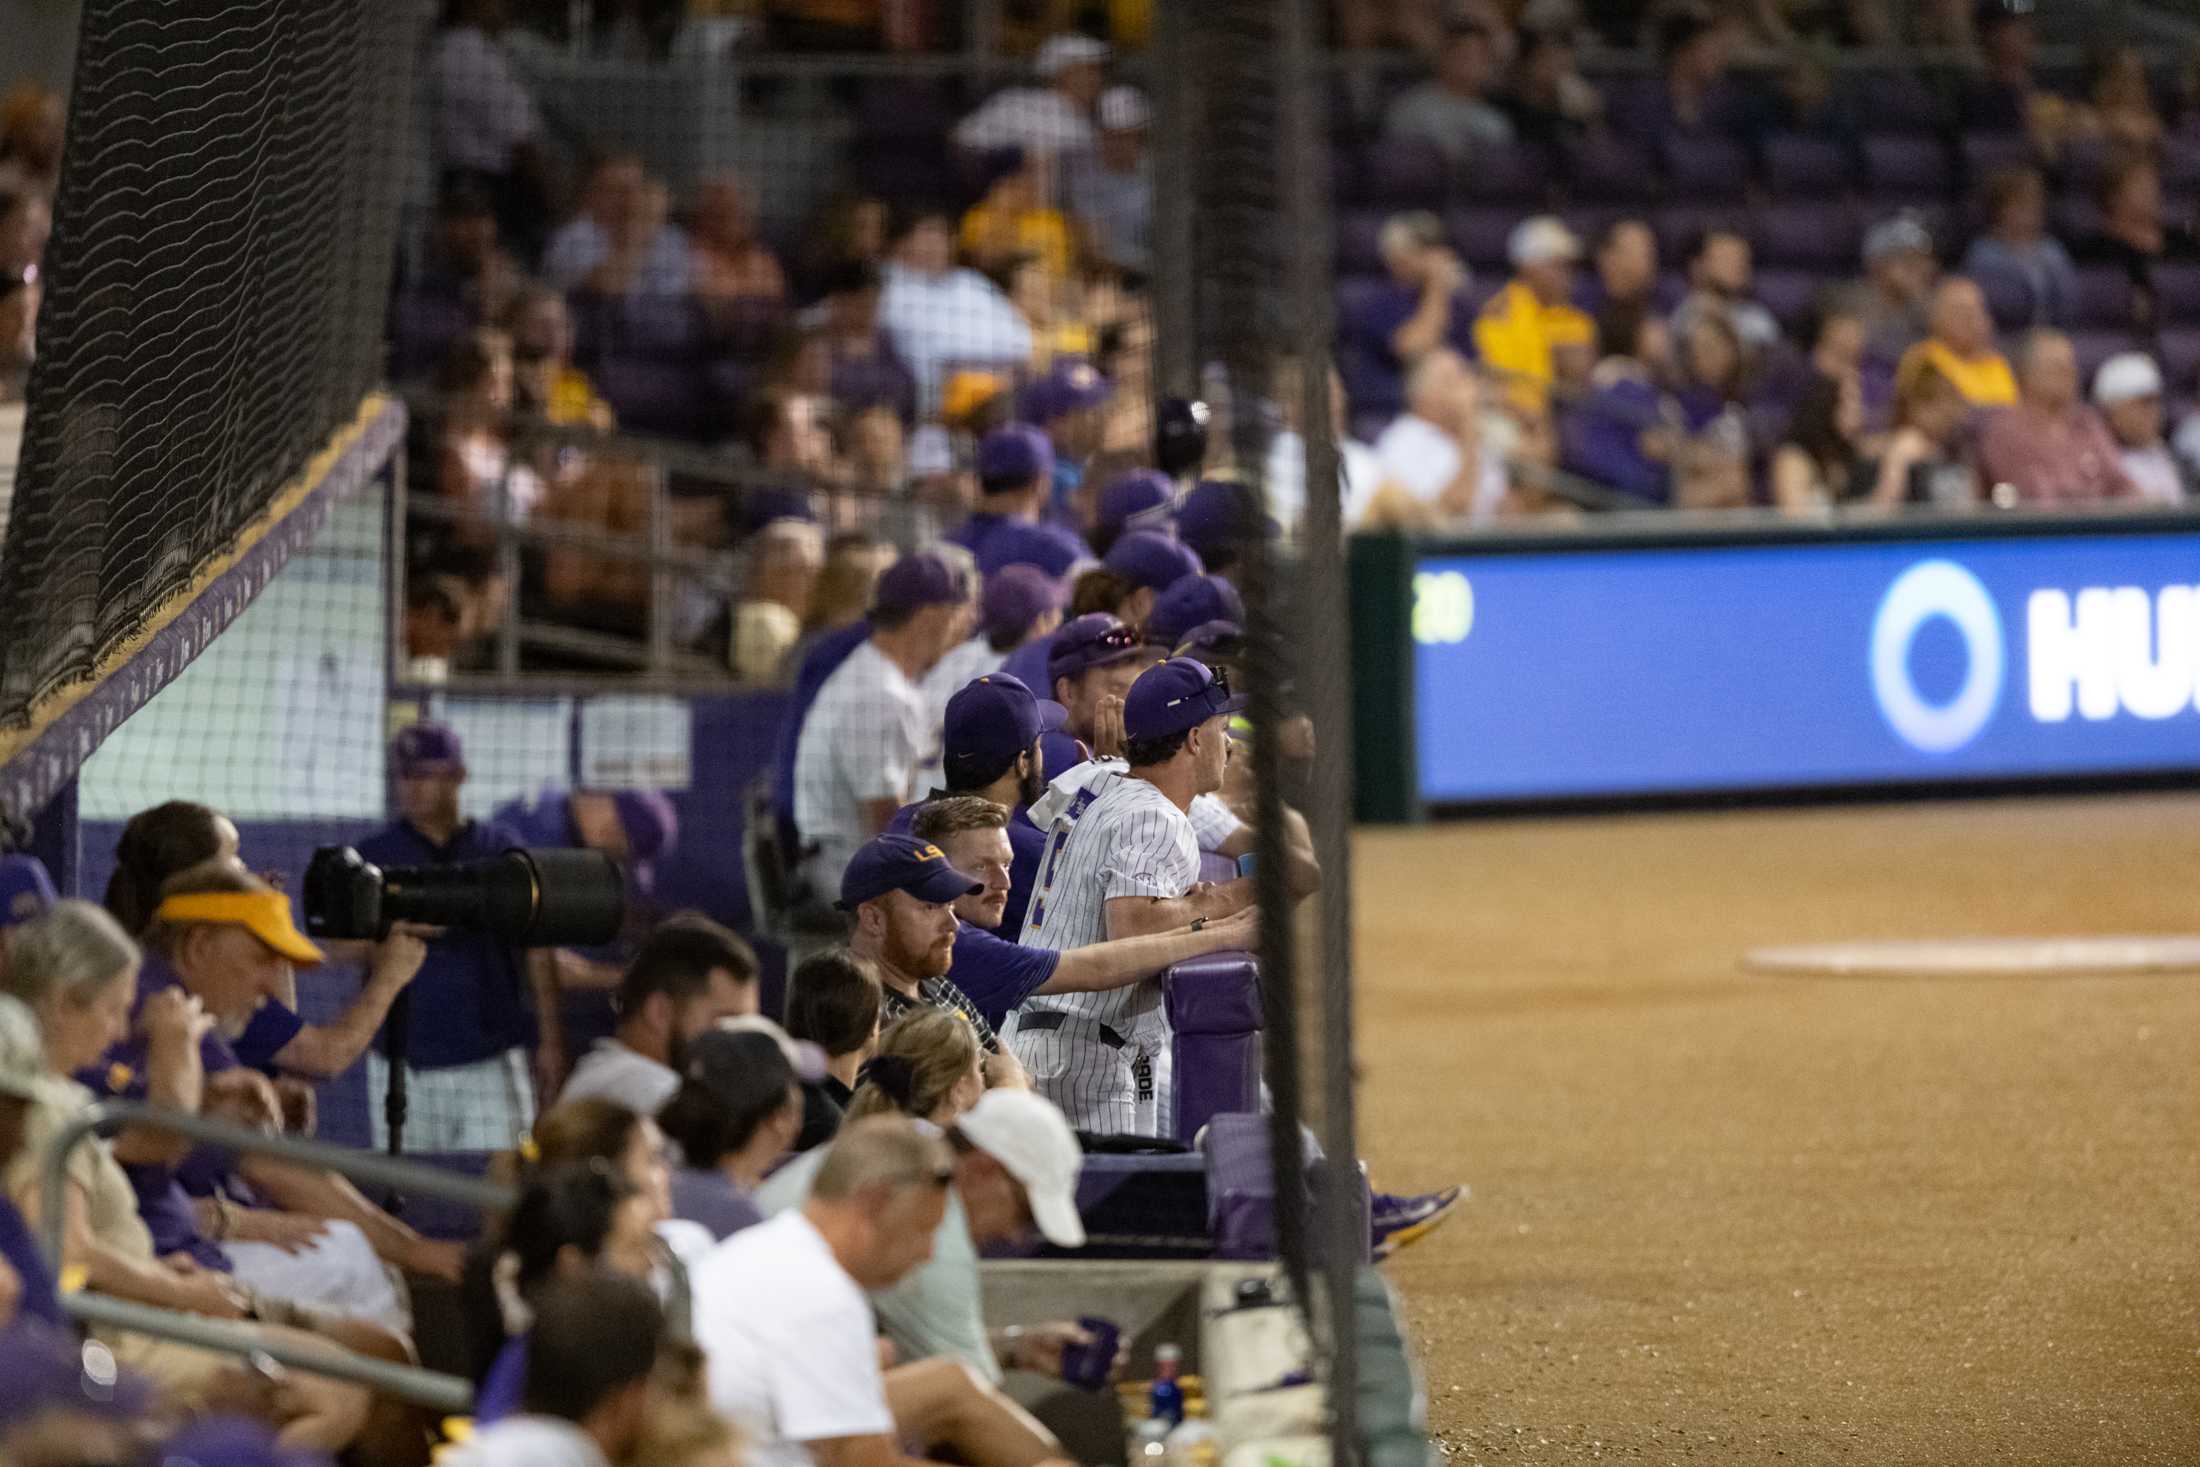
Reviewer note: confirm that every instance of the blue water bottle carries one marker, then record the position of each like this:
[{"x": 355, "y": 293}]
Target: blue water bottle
[{"x": 1167, "y": 1401}]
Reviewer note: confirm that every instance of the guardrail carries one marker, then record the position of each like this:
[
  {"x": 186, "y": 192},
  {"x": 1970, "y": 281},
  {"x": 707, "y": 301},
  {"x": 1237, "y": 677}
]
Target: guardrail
[{"x": 446, "y": 1393}]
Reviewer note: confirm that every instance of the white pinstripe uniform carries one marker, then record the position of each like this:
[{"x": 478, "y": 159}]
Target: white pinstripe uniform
[{"x": 1104, "y": 1058}]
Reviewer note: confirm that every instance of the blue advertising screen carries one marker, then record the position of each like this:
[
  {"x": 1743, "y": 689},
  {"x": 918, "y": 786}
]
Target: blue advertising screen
[{"x": 1796, "y": 665}]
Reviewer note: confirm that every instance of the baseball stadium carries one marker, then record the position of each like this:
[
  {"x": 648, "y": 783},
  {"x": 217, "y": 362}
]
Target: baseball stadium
[{"x": 695, "y": 770}]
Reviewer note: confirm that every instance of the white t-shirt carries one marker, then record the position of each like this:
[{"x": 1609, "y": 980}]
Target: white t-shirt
[
  {"x": 865, "y": 738},
  {"x": 1422, "y": 459},
  {"x": 941, "y": 321},
  {"x": 2154, "y": 471},
  {"x": 789, "y": 1339},
  {"x": 1036, "y": 119},
  {"x": 614, "y": 1072},
  {"x": 1357, "y": 471},
  {"x": 529, "y": 1441},
  {"x": 482, "y": 110}
]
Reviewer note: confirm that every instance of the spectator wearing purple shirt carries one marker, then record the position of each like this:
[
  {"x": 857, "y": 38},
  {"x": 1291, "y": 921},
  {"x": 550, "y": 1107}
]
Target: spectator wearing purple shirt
[
  {"x": 1422, "y": 305},
  {"x": 1625, "y": 272},
  {"x": 1622, "y": 435},
  {"x": 1015, "y": 481}
]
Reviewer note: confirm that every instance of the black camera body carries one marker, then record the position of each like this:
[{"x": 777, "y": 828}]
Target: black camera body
[{"x": 529, "y": 897}]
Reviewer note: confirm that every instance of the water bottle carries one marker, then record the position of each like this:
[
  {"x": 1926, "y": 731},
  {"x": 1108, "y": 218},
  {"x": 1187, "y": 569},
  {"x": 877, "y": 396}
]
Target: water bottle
[{"x": 1167, "y": 1401}]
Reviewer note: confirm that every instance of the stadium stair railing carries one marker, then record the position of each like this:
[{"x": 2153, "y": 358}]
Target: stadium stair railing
[{"x": 449, "y": 1394}]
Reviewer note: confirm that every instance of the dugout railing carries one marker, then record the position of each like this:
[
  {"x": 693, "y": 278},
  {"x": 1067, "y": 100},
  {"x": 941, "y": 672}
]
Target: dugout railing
[{"x": 447, "y": 1393}]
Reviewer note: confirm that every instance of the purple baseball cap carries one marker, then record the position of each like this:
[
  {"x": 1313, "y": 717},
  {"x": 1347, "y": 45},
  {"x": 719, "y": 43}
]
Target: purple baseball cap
[
  {"x": 902, "y": 863},
  {"x": 1188, "y": 603},
  {"x": 1218, "y": 514},
  {"x": 1015, "y": 597},
  {"x": 1136, "y": 501},
  {"x": 1095, "y": 639},
  {"x": 1049, "y": 547},
  {"x": 1212, "y": 641},
  {"x": 991, "y": 720},
  {"x": 1172, "y": 696},
  {"x": 652, "y": 825},
  {"x": 1152, "y": 559},
  {"x": 1069, "y": 385},
  {"x": 26, "y": 891},
  {"x": 427, "y": 748},
  {"x": 1010, "y": 458},
  {"x": 917, "y": 581}
]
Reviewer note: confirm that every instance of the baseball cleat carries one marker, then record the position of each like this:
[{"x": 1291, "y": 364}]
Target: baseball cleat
[{"x": 1402, "y": 1221}]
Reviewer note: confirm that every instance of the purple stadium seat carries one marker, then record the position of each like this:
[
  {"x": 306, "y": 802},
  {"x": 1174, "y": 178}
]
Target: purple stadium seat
[
  {"x": 1481, "y": 233},
  {"x": 2178, "y": 349},
  {"x": 2097, "y": 346},
  {"x": 2083, "y": 162},
  {"x": 1808, "y": 236},
  {"x": 2103, "y": 300},
  {"x": 1214, "y": 1007},
  {"x": 2008, "y": 298},
  {"x": 1359, "y": 242},
  {"x": 1589, "y": 221},
  {"x": 1680, "y": 226},
  {"x": 2074, "y": 216},
  {"x": 1520, "y": 174},
  {"x": 1796, "y": 163},
  {"x": 2181, "y": 165},
  {"x": 1983, "y": 152},
  {"x": 1403, "y": 173},
  {"x": 1904, "y": 166},
  {"x": 652, "y": 396},
  {"x": 2177, "y": 294},
  {"x": 1789, "y": 295},
  {"x": 1610, "y": 169},
  {"x": 1898, "y": 101},
  {"x": 1704, "y": 168}
]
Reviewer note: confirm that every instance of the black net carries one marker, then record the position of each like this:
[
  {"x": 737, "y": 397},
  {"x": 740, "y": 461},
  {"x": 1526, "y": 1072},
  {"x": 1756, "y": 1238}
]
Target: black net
[{"x": 213, "y": 307}]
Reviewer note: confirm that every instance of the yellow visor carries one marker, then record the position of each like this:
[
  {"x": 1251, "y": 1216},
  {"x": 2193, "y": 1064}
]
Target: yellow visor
[{"x": 264, "y": 914}]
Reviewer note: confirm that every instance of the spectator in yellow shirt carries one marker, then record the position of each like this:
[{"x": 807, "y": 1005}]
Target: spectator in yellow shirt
[
  {"x": 1961, "y": 348},
  {"x": 1529, "y": 326},
  {"x": 1014, "y": 219}
]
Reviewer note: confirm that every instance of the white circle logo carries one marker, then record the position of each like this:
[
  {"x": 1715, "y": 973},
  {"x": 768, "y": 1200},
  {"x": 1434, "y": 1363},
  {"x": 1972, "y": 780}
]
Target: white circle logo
[{"x": 1928, "y": 589}]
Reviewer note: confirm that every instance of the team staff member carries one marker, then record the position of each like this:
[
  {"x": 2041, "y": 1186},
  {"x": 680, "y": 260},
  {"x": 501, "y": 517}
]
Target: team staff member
[
  {"x": 997, "y": 974},
  {"x": 900, "y": 892},
  {"x": 1122, "y": 860},
  {"x": 1088, "y": 667},
  {"x": 466, "y": 1058}
]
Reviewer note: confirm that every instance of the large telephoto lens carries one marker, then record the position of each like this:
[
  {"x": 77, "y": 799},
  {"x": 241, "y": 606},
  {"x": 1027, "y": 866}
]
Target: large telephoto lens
[{"x": 529, "y": 898}]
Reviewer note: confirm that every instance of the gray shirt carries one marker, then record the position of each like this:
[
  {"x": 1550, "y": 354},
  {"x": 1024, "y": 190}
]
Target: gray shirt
[{"x": 1458, "y": 125}]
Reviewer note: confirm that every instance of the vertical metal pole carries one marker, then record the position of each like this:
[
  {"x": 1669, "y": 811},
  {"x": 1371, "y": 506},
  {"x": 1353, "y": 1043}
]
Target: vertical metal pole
[
  {"x": 663, "y": 585},
  {"x": 508, "y": 567},
  {"x": 397, "y": 662}
]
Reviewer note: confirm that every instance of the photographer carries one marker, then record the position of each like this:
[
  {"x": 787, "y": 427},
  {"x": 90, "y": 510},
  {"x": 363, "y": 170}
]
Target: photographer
[{"x": 466, "y": 1061}]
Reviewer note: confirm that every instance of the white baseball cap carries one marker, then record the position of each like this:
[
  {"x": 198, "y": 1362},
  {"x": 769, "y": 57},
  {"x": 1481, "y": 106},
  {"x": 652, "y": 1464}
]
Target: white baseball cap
[
  {"x": 1123, "y": 109},
  {"x": 23, "y": 1051},
  {"x": 1541, "y": 240},
  {"x": 1032, "y": 1141},
  {"x": 805, "y": 1058},
  {"x": 2125, "y": 376},
  {"x": 1062, "y": 52}
]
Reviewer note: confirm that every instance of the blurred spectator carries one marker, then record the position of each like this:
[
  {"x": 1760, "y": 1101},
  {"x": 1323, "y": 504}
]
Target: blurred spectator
[
  {"x": 1425, "y": 304},
  {"x": 1358, "y": 474},
  {"x": 2017, "y": 246},
  {"x": 33, "y": 123},
  {"x": 1067, "y": 402},
  {"x": 26, "y": 223},
  {"x": 2005, "y": 97},
  {"x": 1695, "y": 49},
  {"x": 476, "y": 466},
  {"x": 1899, "y": 271},
  {"x": 730, "y": 263},
  {"x": 2133, "y": 235},
  {"x": 1452, "y": 111},
  {"x": 850, "y": 230},
  {"x": 735, "y": 1117},
  {"x": 1922, "y": 461},
  {"x": 1014, "y": 220},
  {"x": 2128, "y": 391},
  {"x": 27, "y": 1286},
  {"x": 1054, "y": 119},
  {"x": 1961, "y": 347},
  {"x": 787, "y": 436},
  {"x": 940, "y": 316},
  {"x": 1819, "y": 460},
  {"x": 1626, "y": 272},
  {"x": 1550, "y": 102},
  {"x": 621, "y": 244},
  {"x": 1624, "y": 432},
  {"x": 865, "y": 367},
  {"x": 854, "y": 560},
  {"x": 544, "y": 380},
  {"x": 1719, "y": 284},
  {"x": 784, "y": 559},
  {"x": 1021, "y": 604},
  {"x": 1809, "y": 103},
  {"x": 1141, "y": 500},
  {"x": 465, "y": 280},
  {"x": 1110, "y": 188},
  {"x": 1522, "y": 330},
  {"x": 487, "y": 131},
  {"x": 1711, "y": 464},
  {"x": 2051, "y": 448},
  {"x": 833, "y": 1002},
  {"x": 1431, "y": 457},
  {"x": 19, "y": 302},
  {"x": 2119, "y": 104},
  {"x": 587, "y": 1398},
  {"x": 1015, "y": 485},
  {"x": 1054, "y": 305}
]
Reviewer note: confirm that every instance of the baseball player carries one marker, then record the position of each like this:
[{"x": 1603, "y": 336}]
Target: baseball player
[{"x": 1121, "y": 860}]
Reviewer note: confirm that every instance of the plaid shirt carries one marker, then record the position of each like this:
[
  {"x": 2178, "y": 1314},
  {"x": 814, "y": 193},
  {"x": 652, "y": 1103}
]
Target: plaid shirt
[
  {"x": 864, "y": 739},
  {"x": 940, "y": 993}
]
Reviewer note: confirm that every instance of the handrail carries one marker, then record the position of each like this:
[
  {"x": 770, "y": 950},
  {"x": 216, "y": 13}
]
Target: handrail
[{"x": 448, "y": 1393}]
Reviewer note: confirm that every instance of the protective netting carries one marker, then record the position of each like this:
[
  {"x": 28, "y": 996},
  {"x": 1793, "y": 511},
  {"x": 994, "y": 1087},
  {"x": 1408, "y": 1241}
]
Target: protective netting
[{"x": 214, "y": 294}]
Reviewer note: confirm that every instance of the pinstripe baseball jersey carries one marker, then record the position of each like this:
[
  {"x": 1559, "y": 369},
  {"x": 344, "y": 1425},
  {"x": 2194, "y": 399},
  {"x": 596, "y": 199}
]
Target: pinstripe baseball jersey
[
  {"x": 863, "y": 739},
  {"x": 1102, "y": 1057}
]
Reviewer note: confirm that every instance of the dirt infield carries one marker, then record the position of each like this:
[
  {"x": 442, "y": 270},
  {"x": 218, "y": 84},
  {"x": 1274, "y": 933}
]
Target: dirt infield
[{"x": 1733, "y": 1218}]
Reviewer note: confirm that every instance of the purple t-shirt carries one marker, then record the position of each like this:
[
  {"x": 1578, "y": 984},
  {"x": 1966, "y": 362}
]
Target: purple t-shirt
[{"x": 996, "y": 974}]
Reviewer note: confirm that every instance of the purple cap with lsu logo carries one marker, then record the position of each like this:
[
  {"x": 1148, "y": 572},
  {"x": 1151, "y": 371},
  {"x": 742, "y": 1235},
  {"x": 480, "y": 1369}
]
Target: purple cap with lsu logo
[{"x": 902, "y": 863}]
